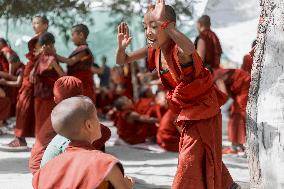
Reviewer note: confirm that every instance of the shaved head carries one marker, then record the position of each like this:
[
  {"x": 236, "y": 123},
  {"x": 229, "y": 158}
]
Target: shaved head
[
  {"x": 205, "y": 21},
  {"x": 70, "y": 116}
]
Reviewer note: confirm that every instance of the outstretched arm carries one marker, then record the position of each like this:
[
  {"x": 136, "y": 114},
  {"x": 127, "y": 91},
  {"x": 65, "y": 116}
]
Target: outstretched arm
[{"x": 123, "y": 40}]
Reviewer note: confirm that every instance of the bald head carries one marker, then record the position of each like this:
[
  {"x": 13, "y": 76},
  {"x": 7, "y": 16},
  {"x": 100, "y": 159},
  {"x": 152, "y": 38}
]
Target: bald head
[
  {"x": 70, "y": 116},
  {"x": 205, "y": 21}
]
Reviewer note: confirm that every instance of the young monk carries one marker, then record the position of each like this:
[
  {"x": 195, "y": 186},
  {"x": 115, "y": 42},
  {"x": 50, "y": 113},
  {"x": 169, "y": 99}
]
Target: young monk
[
  {"x": 237, "y": 83},
  {"x": 46, "y": 72},
  {"x": 13, "y": 81},
  {"x": 248, "y": 59},
  {"x": 5, "y": 54},
  {"x": 65, "y": 87},
  {"x": 207, "y": 43},
  {"x": 81, "y": 166},
  {"x": 25, "y": 102},
  {"x": 79, "y": 63},
  {"x": 132, "y": 127},
  {"x": 192, "y": 97}
]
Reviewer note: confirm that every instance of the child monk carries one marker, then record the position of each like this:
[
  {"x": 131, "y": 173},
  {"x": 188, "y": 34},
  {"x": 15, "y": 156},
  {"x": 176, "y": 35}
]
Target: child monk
[
  {"x": 25, "y": 102},
  {"x": 192, "y": 97},
  {"x": 5, "y": 54},
  {"x": 9, "y": 85},
  {"x": 237, "y": 83},
  {"x": 79, "y": 63},
  {"x": 248, "y": 59},
  {"x": 65, "y": 87},
  {"x": 132, "y": 127},
  {"x": 207, "y": 43},
  {"x": 81, "y": 166},
  {"x": 46, "y": 72}
]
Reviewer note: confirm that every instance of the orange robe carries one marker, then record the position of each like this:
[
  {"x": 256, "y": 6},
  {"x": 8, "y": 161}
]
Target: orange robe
[
  {"x": 196, "y": 103},
  {"x": 213, "y": 49},
  {"x": 5, "y": 107},
  {"x": 248, "y": 61},
  {"x": 25, "y": 125},
  {"x": 168, "y": 135},
  {"x": 12, "y": 92},
  {"x": 47, "y": 134},
  {"x": 143, "y": 105},
  {"x": 4, "y": 64},
  {"x": 237, "y": 83},
  {"x": 82, "y": 70},
  {"x": 133, "y": 132},
  {"x": 45, "y": 77},
  {"x": 81, "y": 166}
]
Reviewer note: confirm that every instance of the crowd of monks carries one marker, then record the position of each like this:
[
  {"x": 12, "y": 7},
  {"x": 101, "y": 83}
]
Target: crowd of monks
[{"x": 181, "y": 115}]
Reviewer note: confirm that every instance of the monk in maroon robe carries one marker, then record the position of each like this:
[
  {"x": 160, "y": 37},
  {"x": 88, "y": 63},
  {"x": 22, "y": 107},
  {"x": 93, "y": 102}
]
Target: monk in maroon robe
[
  {"x": 81, "y": 166},
  {"x": 192, "y": 97},
  {"x": 25, "y": 125},
  {"x": 207, "y": 43},
  {"x": 80, "y": 61},
  {"x": 65, "y": 87}
]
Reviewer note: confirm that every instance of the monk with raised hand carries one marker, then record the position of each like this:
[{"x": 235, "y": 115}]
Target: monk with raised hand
[
  {"x": 81, "y": 166},
  {"x": 192, "y": 97},
  {"x": 65, "y": 87},
  {"x": 207, "y": 44},
  {"x": 80, "y": 61}
]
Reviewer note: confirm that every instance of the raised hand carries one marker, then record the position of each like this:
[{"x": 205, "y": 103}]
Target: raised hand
[
  {"x": 158, "y": 14},
  {"x": 123, "y": 38}
]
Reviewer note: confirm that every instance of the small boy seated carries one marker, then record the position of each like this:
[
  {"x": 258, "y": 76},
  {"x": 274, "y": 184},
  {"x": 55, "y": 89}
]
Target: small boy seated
[
  {"x": 133, "y": 127},
  {"x": 80, "y": 166}
]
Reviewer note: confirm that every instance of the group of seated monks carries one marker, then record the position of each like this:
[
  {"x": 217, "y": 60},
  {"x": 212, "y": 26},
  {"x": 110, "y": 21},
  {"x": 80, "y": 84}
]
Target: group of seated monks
[{"x": 60, "y": 107}]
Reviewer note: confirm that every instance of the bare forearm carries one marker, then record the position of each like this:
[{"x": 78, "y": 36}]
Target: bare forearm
[
  {"x": 181, "y": 40},
  {"x": 121, "y": 56},
  {"x": 65, "y": 60}
]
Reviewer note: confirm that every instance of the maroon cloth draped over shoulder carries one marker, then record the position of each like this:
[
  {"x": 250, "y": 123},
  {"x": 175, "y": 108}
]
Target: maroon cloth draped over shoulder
[
  {"x": 81, "y": 166},
  {"x": 213, "y": 48},
  {"x": 82, "y": 70}
]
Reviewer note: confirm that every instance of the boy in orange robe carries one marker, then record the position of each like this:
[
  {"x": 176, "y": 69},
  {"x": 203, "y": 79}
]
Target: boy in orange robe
[
  {"x": 207, "y": 44},
  {"x": 46, "y": 72},
  {"x": 237, "y": 83},
  {"x": 81, "y": 166},
  {"x": 248, "y": 59},
  {"x": 25, "y": 125},
  {"x": 65, "y": 87},
  {"x": 192, "y": 97},
  {"x": 80, "y": 61},
  {"x": 133, "y": 127}
]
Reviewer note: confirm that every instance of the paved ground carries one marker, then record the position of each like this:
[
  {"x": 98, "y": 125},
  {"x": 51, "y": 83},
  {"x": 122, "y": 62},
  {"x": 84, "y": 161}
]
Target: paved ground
[{"x": 151, "y": 168}]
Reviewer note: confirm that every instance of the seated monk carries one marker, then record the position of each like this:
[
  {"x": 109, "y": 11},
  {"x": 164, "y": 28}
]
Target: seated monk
[
  {"x": 9, "y": 85},
  {"x": 65, "y": 87},
  {"x": 81, "y": 166},
  {"x": 133, "y": 127},
  {"x": 145, "y": 102},
  {"x": 5, "y": 105},
  {"x": 236, "y": 85}
]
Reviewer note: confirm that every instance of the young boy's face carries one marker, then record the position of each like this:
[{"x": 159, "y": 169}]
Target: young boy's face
[
  {"x": 39, "y": 26},
  {"x": 48, "y": 48},
  {"x": 77, "y": 37},
  {"x": 94, "y": 126},
  {"x": 128, "y": 104},
  {"x": 156, "y": 37},
  {"x": 198, "y": 26}
]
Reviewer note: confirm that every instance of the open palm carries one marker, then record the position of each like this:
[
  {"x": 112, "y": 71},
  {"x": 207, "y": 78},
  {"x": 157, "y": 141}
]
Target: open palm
[
  {"x": 159, "y": 12},
  {"x": 123, "y": 37}
]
